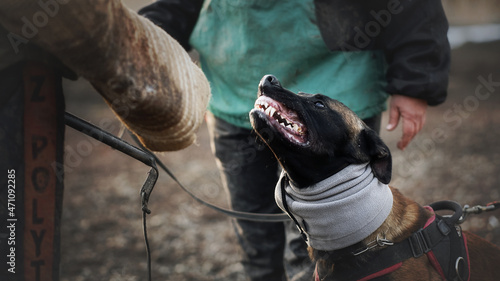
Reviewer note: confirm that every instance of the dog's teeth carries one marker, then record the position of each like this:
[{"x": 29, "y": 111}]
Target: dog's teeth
[
  {"x": 268, "y": 110},
  {"x": 272, "y": 111}
]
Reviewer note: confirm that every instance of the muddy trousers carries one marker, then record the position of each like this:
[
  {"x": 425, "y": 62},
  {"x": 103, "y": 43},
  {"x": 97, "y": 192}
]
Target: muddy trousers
[{"x": 272, "y": 251}]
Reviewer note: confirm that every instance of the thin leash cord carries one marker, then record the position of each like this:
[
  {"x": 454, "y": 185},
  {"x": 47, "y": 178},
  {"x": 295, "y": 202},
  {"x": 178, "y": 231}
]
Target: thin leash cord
[
  {"x": 280, "y": 217},
  {"x": 148, "y": 249},
  {"x": 143, "y": 156}
]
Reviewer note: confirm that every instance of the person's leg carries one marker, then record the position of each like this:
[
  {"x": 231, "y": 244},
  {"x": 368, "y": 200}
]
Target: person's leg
[
  {"x": 250, "y": 172},
  {"x": 298, "y": 265}
]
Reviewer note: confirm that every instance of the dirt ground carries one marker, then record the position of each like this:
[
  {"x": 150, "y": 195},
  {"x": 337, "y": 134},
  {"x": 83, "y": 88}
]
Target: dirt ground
[{"x": 456, "y": 157}]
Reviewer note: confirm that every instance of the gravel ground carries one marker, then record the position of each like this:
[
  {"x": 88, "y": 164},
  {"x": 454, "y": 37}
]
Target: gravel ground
[{"x": 455, "y": 157}]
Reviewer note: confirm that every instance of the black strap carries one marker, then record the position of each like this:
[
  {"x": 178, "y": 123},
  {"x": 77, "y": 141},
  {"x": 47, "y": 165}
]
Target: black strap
[
  {"x": 422, "y": 241},
  {"x": 235, "y": 214},
  {"x": 357, "y": 267}
]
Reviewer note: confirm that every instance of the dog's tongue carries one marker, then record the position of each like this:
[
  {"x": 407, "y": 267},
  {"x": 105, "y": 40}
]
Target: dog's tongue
[{"x": 286, "y": 121}]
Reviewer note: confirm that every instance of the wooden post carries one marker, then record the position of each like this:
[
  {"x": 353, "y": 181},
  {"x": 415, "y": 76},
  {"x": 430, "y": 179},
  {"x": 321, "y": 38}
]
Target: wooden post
[{"x": 32, "y": 176}]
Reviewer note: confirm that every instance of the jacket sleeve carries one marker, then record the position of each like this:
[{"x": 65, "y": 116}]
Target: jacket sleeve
[
  {"x": 176, "y": 17},
  {"x": 418, "y": 52}
]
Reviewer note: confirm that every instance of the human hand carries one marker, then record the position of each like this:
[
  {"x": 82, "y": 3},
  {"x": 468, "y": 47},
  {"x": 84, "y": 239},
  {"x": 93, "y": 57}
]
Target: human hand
[{"x": 412, "y": 111}]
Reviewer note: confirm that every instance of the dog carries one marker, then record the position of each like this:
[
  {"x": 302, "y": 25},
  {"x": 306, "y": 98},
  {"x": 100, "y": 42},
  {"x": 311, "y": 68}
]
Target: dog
[{"x": 334, "y": 186}]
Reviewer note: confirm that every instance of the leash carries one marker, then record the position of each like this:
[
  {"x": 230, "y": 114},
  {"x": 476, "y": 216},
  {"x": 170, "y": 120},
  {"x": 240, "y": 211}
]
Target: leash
[
  {"x": 478, "y": 209},
  {"x": 262, "y": 217}
]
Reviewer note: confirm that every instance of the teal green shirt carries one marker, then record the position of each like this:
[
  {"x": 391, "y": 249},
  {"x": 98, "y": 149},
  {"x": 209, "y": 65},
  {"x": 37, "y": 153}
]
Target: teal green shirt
[{"x": 240, "y": 41}]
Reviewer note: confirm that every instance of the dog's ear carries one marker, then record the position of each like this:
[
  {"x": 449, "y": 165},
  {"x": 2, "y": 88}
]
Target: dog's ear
[{"x": 379, "y": 154}]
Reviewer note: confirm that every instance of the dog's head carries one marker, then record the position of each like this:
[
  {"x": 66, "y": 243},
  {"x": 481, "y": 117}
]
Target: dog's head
[{"x": 314, "y": 136}]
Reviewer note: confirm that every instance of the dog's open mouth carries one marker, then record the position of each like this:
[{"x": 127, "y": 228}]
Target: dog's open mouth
[{"x": 286, "y": 121}]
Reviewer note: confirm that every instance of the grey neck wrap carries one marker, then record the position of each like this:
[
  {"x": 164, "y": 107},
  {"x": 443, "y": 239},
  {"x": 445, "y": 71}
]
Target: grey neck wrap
[{"x": 339, "y": 211}]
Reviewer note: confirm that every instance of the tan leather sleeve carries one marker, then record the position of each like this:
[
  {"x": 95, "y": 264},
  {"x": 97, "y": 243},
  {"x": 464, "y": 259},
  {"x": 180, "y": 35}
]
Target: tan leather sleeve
[{"x": 144, "y": 75}]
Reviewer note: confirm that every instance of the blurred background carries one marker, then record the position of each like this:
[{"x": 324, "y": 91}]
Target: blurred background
[{"x": 455, "y": 157}]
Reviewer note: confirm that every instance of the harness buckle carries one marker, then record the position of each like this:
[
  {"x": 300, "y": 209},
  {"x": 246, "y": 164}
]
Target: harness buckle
[
  {"x": 443, "y": 227},
  {"x": 419, "y": 243}
]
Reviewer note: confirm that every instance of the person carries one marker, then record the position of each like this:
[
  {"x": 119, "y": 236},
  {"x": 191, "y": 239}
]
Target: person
[{"x": 358, "y": 52}]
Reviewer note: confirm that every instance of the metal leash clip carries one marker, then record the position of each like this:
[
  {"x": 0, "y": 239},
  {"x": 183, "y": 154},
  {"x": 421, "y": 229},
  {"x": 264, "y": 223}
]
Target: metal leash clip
[
  {"x": 380, "y": 242},
  {"x": 478, "y": 209}
]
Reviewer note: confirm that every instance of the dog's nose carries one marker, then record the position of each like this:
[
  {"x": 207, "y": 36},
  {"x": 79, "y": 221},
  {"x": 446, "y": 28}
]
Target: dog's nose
[{"x": 269, "y": 80}]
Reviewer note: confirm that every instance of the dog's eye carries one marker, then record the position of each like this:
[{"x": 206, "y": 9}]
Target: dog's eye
[{"x": 319, "y": 104}]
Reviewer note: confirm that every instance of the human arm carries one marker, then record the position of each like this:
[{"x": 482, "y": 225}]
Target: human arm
[
  {"x": 413, "y": 36},
  {"x": 418, "y": 56}
]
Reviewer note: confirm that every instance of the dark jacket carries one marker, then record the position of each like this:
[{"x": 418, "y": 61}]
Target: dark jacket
[{"x": 413, "y": 35}]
